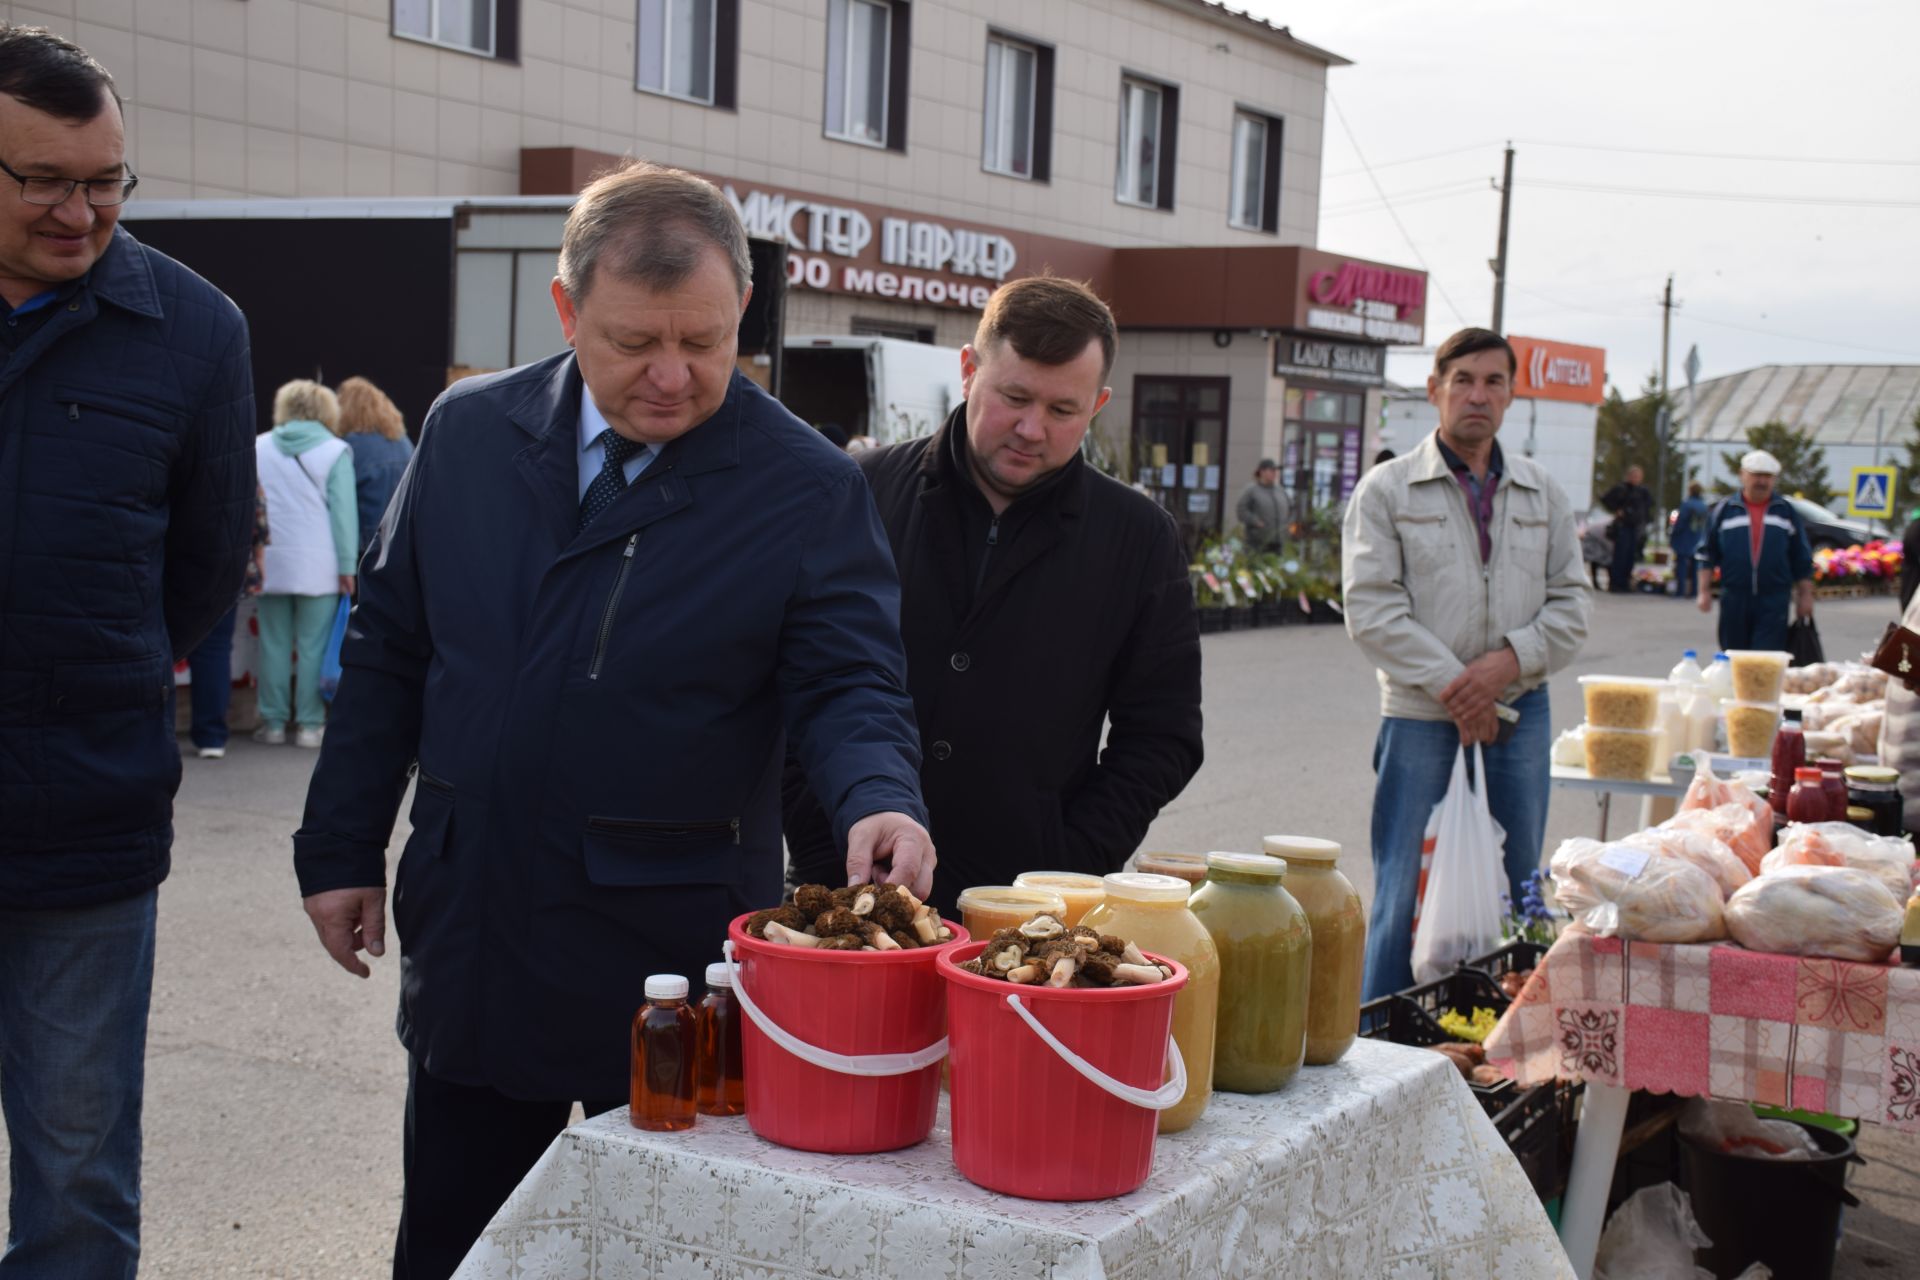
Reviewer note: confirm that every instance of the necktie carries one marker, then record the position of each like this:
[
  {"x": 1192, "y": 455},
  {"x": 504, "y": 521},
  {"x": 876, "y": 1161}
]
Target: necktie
[{"x": 612, "y": 478}]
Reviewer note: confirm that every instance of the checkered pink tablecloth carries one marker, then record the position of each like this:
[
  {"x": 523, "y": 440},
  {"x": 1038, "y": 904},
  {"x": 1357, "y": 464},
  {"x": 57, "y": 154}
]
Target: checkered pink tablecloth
[{"x": 1825, "y": 1035}]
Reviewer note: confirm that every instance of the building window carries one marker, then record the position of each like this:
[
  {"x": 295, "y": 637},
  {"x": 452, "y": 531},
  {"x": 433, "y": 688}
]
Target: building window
[
  {"x": 1179, "y": 444},
  {"x": 458, "y": 24},
  {"x": 867, "y": 44},
  {"x": 1256, "y": 172},
  {"x": 1149, "y": 116},
  {"x": 1019, "y": 108},
  {"x": 686, "y": 49}
]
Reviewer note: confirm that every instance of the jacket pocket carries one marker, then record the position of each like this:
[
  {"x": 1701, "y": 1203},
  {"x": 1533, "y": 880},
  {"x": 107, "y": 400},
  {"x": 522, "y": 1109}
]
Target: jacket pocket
[
  {"x": 1529, "y": 535},
  {"x": 1425, "y": 542},
  {"x": 79, "y": 402},
  {"x": 431, "y": 816},
  {"x": 638, "y": 852},
  {"x": 432, "y": 819},
  {"x": 85, "y": 688}
]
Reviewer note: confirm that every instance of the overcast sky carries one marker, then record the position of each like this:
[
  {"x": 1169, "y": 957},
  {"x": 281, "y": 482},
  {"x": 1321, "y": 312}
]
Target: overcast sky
[{"x": 1784, "y": 274}]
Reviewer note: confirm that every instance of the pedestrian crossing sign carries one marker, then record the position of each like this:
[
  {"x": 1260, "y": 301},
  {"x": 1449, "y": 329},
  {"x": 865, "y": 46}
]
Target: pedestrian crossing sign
[{"x": 1871, "y": 492}]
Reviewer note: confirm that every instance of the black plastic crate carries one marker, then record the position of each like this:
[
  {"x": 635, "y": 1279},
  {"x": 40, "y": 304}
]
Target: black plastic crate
[
  {"x": 1512, "y": 958},
  {"x": 1400, "y": 1019},
  {"x": 1461, "y": 991},
  {"x": 1531, "y": 1125}
]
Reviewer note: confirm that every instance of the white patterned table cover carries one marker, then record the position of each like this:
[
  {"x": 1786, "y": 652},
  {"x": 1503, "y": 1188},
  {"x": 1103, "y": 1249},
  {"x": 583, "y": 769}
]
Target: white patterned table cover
[{"x": 1380, "y": 1165}]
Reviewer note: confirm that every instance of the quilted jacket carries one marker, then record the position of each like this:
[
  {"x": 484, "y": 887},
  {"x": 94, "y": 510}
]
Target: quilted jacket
[{"x": 126, "y": 509}]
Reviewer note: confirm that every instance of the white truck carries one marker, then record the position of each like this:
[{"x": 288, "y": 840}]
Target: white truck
[{"x": 887, "y": 388}]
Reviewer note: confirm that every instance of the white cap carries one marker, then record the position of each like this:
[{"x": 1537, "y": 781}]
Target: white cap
[
  {"x": 1302, "y": 848},
  {"x": 1142, "y": 886},
  {"x": 717, "y": 974},
  {"x": 1761, "y": 463},
  {"x": 666, "y": 986}
]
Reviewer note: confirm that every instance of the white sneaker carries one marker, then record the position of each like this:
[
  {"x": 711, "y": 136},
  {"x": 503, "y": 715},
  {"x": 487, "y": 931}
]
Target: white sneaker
[
  {"x": 308, "y": 737},
  {"x": 213, "y": 753},
  {"x": 274, "y": 735}
]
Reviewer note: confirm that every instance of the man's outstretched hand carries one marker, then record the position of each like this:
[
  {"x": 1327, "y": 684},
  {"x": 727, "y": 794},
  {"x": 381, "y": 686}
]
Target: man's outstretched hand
[
  {"x": 895, "y": 843},
  {"x": 350, "y": 921}
]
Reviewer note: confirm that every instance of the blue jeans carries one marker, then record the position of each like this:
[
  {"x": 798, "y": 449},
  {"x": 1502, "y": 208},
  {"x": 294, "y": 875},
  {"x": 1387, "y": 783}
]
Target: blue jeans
[
  {"x": 1686, "y": 572},
  {"x": 1413, "y": 762},
  {"x": 212, "y": 666},
  {"x": 74, "y": 989}
]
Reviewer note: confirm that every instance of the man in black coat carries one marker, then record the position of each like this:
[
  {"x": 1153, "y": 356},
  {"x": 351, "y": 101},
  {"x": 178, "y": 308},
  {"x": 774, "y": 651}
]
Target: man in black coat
[
  {"x": 1632, "y": 507},
  {"x": 126, "y": 501},
  {"x": 1040, "y": 602},
  {"x": 609, "y": 587}
]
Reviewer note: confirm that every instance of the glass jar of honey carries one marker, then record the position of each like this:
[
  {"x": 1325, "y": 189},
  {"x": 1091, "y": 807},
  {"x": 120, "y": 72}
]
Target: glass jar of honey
[
  {"x": 1339, "y": 924},
  {"x": 1082, "y": 893},
  {"x": 985, "y": 909},
  {"x": 1266, "y": 954},
  {"x": 1151, "y": 912}
]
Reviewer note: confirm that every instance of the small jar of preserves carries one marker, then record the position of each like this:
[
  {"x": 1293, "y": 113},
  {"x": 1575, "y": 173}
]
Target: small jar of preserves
[{"x": 1876, "y": 789}]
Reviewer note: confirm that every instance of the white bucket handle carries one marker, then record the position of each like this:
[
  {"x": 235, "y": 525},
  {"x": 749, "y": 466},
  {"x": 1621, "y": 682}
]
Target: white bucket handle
[
  {"x": 1167, "y": 1095},
  {"x": 872, "y": 1064}
]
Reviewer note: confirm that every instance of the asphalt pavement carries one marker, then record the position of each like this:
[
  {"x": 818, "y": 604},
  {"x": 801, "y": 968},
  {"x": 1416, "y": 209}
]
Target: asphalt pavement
[{"x": 275, "y": 1083}]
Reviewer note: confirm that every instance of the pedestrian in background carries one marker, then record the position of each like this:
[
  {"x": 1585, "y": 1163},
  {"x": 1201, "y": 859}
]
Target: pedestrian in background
[
  {"x": 126, "y": 412},
  {"x": 1464, "y": 586},
  {"x": 1689, "y": 526},
  {"x": 307, "y": 473},
  {"x": 210, "y": 665},
  {"x": 1632, "y": 506},
  {"x": 1263, "y": 510},
  {"x": 1756, "y": 541},
  {"x": 371, "y": 425}
]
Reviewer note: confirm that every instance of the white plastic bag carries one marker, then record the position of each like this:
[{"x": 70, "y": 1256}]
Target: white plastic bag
[
  {"x": 1652, "y": 1237},
  {"x": 1732, "y": 1127},
  {"x": 1888, "y": 859},
  {"x": 1461, "y": 913},
  {"x": 1636, "y": 893}
]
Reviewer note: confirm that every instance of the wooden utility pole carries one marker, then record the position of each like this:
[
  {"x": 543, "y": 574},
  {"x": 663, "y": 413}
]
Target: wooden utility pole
[
  {"x": 1499, "y": 263},
  {"x": 1663, "y": 421}
]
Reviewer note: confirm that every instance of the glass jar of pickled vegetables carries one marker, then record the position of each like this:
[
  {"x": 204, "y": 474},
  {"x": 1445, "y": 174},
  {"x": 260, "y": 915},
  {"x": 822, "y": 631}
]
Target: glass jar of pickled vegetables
[
  {"x": 1266, "y": 956},
  {"x": 1081, "y": 892},
  {"x": 1151, "y": 912},
  {"x": 1339, "y": 924},
  {"x": 986, "y": 908}
]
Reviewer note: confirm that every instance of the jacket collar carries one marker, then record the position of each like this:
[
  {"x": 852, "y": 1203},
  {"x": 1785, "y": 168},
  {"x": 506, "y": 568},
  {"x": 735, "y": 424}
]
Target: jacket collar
[
  {"x": 945, "y": 463},
  {"x": 123, "y": 277},
  {"x": 552, "y": 404},
  {"x": 1430, "y": 463}
]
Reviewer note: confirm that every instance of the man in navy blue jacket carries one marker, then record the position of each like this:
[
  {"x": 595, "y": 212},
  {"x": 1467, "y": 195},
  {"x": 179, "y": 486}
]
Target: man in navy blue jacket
[
  {"x": 610, "y": 587},
  {"x": 1756, "y": 541},
  {"x": 126, "y": 483}
]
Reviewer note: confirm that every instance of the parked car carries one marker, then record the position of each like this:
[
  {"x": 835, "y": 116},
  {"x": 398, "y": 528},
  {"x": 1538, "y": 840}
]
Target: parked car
[{"x": 1825, "y": 529}]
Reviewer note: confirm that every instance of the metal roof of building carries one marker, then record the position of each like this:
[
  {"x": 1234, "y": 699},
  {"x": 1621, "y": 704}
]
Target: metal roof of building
[
  {"x": 1837, "y": 403},
  {"x": 1259, "y": 27}
]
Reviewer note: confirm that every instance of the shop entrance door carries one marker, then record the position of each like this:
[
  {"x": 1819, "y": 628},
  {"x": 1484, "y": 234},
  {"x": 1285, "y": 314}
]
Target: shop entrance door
[
  {"x": 1179, "y": 442},
  {"x": 1323, "y": 436}
]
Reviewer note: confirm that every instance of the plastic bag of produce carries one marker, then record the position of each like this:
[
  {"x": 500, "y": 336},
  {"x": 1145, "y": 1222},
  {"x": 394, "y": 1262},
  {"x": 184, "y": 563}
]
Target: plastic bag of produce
[
  {"x": 1460, "y": 915},
  {"x": 1702, "y": 850},
  {"x": 1889, "y": 859},
  {"x": 1732, "y": 1127},
  {"x": 1736, "y": 825},
  {"x": 1652, "y": 1237},
  {"x": 1836, "y": 912},
  {"x": 1637, "y": 893},
  {"x": 1710, "y": 792}
]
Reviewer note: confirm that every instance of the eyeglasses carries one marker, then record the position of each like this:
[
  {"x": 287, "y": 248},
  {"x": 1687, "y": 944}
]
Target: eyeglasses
[{"x": 56, "y": 191}]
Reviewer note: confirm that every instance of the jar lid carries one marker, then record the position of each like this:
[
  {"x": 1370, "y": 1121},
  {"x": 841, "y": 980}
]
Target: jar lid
[
  {"x": 1302, "y": 849},
  {"x": 1873, "y": 773},
  {"x": 1806, "y": 775},
  {"x": 1057, "y": 880},
  {"x": 1826, "y": 764},
  {"x": 1140, "y": 886},
  {"x": 717, "y": 974},
  {"x": 1191, "y": 867},
  {"x": 1248, "y": 864},
  {"x": 1741, "y": 702},
  {"x": 989, "y": 897},
  {"x": 666, "y": 986},
  {"x": 1858, "y": 815},
  {"x": 1638, "y": 682}
]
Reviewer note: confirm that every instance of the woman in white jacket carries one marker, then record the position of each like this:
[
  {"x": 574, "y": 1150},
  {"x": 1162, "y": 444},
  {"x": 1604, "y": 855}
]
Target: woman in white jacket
[{"x": 306, "y": 473}]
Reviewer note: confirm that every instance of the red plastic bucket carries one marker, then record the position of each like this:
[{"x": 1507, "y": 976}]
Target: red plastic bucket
[
  {"x": 1027, "y": 1120},
  {"x": 842, "y": 1049}
]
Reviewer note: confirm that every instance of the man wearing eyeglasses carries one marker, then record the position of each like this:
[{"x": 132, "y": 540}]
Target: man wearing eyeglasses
[{"x": 126, "y": 506}]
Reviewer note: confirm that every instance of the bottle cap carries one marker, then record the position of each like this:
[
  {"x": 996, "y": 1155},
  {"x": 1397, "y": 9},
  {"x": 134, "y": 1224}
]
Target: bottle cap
[
  {"x": 717, "y": 974},
  {"x": 1139, "y": 886},
  {"x": 1248, "y": 864},
  {"x": 1721, "y": 657},
  {"x": 1806, "y": 775},
  {"x": 1873, "y": 774},
  {"x": 1795, "y": 715},
  {"x": 666, "y": 986},
  {"x": 1690, "y": 653},
  {"x": 1302, "y": 849},
  {"x": 1826, "y": 765}
]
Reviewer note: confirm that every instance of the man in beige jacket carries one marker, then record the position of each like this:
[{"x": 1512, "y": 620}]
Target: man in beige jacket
[{"x": 1465, "y": 587}]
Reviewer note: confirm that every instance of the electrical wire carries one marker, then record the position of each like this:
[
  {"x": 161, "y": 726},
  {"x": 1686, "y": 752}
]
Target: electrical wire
[
  {"x": 1476, "y": 184},
  {"x": 1419, "y": 257},
  {"x": 1375, "y": 206},
  {"x": 1718, "y": 324},
  {"x": 1718, "y": 155},
  {"x": 1390, "y": 164},
  {"x": 1741, "y": 197}
]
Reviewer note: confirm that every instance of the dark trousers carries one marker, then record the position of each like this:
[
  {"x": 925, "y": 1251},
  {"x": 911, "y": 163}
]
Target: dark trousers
[
  {"x": 1748, "y": 621},
  {"x": 1686, "y": 572},
  {"x": 466, "y": 1148},
  {"x": 1626, "y": 554},
  {"x": 211, "y": 664}
]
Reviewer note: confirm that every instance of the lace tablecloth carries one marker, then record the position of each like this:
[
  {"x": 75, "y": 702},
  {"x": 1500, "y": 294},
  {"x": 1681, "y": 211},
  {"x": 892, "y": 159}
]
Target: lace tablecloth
[
  {"x": 1380, "y": 1165},
  {"x": 1826, "y": 1035}
]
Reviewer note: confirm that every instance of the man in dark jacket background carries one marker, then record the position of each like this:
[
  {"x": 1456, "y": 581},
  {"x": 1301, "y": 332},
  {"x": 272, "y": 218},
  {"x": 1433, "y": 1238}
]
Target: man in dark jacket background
[
  {"x": 126, "y": 478},
  {"x": 1756, "y": 541},
  {"x": 609, "y": 586},
  {"x": 1632, "y": 507},
  {"x": 1040, "y": 601}
]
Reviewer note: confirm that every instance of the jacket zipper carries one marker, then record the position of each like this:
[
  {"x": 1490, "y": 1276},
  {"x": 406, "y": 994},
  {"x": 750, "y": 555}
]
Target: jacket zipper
[
  {"x": 642, "y": 826},
  {"x": 993, "y": 540},
  {"x": 613, "y": 603}
]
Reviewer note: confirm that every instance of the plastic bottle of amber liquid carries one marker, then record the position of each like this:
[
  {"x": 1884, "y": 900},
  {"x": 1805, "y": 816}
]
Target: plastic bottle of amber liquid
[
  {"x": 663, "y": 1057},
  {"x": 720, "y": 1085}
]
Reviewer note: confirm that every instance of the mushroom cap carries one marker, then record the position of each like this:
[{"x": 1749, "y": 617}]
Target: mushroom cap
[
  {"x": 892, "y": 910},
  {"x": 813, "y": 899},
  {"x": 785, "y": 914},
  {"x": 830, "y": 924},
  {"x": 843, "y": 942}
]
